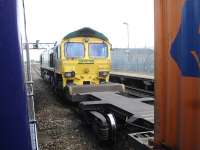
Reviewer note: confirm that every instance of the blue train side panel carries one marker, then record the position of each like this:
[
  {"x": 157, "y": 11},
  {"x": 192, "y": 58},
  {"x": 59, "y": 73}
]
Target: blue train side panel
[{"x": 14, "y": 127}]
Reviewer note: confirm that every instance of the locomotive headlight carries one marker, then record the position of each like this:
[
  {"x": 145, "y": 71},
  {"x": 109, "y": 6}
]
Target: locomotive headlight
[
  {"x": 103, "y": 73},
  {"x": 69, "y": 74}
]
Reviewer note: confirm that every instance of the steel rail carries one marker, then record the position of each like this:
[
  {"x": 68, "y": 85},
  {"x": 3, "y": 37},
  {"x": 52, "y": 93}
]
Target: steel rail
[{"x": 138, "y": 92}]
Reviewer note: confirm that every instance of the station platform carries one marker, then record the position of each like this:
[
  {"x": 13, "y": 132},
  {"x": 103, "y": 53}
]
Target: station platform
[{"x": 131, "y": 75}]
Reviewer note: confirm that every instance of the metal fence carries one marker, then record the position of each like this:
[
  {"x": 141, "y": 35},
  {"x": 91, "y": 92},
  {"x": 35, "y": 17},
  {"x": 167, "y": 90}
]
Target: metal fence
[{"x": 133, "y": 60}]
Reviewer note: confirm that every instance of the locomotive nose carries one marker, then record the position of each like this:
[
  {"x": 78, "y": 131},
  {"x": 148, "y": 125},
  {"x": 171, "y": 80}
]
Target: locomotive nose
[{"x": 86, "y": 70}]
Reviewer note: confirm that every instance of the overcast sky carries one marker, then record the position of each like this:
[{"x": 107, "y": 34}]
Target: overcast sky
[{"x": 50, "y": 20}]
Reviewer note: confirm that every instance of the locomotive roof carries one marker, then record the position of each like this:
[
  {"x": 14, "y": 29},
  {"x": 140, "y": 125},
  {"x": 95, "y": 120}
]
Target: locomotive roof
[{"x": 86, "y": 32}]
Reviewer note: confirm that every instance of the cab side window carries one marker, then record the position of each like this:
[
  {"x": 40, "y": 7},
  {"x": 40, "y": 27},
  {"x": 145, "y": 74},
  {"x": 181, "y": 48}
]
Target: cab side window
[
  {"x": 51, "y": 60},
  {"x": 40, "y": 59},
  {"x": 58, "y": 49},
  {"x": 57, "y": 52}
]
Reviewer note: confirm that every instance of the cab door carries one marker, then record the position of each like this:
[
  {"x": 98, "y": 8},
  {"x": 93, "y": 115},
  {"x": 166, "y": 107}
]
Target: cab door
[{"x": 57, "y": 58}]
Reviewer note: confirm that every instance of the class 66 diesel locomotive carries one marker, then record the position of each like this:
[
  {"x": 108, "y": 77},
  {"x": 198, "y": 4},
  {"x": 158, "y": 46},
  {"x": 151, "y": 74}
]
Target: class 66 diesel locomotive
[{"x": 79, "y": 64}]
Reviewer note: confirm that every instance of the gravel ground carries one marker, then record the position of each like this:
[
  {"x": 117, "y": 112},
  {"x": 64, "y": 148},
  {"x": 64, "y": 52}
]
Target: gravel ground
[{"x": 59, "y": 126}]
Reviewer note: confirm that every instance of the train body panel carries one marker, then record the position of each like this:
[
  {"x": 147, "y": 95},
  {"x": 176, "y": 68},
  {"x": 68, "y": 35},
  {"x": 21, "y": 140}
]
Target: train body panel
[
  {"x": 177, "y": 105},
  {"x": 15, "y": 131},
  {"x": 46, "y": 59}
]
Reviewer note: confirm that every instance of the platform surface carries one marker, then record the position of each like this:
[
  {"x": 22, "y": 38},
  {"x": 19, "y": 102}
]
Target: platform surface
[
  {"x": 134, "y": 106},
  {"x": 132, "y": 74}
]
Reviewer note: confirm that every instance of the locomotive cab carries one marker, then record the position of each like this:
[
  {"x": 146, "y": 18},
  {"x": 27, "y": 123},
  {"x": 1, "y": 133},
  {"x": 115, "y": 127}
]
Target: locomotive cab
[{"x": 85, "y": 61}]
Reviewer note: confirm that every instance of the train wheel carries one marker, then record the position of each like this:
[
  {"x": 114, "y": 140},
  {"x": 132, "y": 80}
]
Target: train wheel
[
  {"x": 42, "y": 74},
  {"x": 112, "y": 127},
  {"x": 52, "y": 82}
]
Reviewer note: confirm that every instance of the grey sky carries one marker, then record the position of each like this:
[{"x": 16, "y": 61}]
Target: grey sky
[{"x": 50, "y": 20}]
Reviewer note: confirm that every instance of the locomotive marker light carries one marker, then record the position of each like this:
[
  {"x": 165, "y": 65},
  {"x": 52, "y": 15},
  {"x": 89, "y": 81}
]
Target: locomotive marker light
[
  {"x": 103, "y": 73},
  {"x": 69, "y": 74}
]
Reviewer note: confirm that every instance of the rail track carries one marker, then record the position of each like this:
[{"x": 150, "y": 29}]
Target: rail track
[
  {"x": 136, "y": 92},
  {"x": 59, "y": 125},
  {"x": 35, "y": 68},
  {"x": 136, "y": 85},
  {"x": 56, "y": 108}
]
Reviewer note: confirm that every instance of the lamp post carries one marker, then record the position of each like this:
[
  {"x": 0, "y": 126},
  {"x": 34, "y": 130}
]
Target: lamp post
[{"x": 127, "y": 26}]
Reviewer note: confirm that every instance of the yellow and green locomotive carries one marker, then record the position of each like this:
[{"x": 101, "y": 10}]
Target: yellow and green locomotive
[{"x": 79, "y": 64}]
